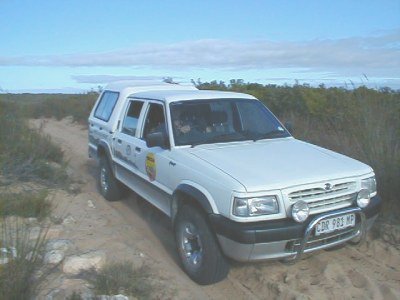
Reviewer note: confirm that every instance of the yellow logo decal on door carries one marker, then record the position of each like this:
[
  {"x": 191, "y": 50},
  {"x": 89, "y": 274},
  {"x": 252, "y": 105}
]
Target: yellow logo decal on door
[{"x": 151, "y": 166}]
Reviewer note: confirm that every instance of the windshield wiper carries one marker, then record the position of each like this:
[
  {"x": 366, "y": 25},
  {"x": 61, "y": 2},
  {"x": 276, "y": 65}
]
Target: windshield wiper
[
  {"x": 226, "y": 137},
  {"x": 270, "y": 134}
]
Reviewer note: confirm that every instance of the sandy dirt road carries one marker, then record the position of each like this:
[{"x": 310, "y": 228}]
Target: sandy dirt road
[{"x": 131, "y": 229}]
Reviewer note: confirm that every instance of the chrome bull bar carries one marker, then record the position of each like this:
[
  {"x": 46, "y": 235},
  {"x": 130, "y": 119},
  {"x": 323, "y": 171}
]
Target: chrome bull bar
[{"x": 314, "y": 222}]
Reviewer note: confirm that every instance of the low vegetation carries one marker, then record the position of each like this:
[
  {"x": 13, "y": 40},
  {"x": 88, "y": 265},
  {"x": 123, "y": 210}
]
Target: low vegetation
[
  {"x": 56, "y": 106},
  {"x": 21, "y": 244},
  {"x": 19, "y": 277},
  {"x": 121, "y": 278},
  {"x": 25, "y": 153},
  {"x": 29, "y": 164},
  {"x": 26, "y": 205}
]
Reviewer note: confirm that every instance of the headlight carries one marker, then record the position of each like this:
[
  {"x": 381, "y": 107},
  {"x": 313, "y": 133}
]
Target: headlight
[
  {"x": 370, "y": 185},
  {"x": 363, "y": 198},
  {"x": 300, "y": 211},
  {"x": 248, "y": 207}
]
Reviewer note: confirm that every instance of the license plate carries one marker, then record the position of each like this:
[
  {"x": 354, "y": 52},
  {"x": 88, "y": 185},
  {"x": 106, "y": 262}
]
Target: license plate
[{"x": 336, "y": 223}]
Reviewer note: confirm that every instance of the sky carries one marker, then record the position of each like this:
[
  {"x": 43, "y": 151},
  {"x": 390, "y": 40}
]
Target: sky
[{"x": 77, "y": 45}]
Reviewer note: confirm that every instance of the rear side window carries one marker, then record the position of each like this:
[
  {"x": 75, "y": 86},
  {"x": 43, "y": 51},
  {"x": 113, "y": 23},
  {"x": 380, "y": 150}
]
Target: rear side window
[
  {"x": 131, "y": 119},
  {"x": 106, "y": 105}
]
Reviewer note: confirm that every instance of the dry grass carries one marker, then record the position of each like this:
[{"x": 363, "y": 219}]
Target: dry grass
[
  {"x": 121, "y": 278},
  {"x": 26, "y": 205},
  {"x": 26, "y": 154}
]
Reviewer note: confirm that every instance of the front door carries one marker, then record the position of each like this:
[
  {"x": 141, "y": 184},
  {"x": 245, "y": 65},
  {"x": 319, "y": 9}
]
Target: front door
[{"x": 153, "y": 163}]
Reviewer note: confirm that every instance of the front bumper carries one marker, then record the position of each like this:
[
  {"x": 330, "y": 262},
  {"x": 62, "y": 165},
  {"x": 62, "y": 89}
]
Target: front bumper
[{"x": 287, "y": 238}]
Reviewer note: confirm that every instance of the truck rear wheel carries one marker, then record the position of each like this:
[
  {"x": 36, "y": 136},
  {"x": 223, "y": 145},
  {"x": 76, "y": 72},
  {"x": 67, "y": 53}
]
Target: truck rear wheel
[
  {"x": 198, "y": 249},
  {"x": 110, "y": 187}
]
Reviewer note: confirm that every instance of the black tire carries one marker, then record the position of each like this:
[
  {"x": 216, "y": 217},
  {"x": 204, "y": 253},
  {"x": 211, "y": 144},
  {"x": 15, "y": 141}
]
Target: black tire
[
  {"x": 199, "y": 252},
  {"x": 110, "y": 187}
]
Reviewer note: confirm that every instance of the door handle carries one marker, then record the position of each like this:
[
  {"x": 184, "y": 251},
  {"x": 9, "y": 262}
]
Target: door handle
[
  {"x": 119, "y": 141},
  {"x": 138, "y": 149},
  {"x": 171, "y": 163}
]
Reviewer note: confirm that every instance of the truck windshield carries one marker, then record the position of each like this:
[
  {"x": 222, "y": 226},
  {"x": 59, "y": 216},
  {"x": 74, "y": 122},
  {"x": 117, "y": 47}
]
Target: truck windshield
[{"x": 196, "y": 122}]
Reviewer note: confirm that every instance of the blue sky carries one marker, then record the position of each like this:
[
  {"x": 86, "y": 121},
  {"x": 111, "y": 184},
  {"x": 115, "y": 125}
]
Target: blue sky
[{"x": 75, "y": 45}]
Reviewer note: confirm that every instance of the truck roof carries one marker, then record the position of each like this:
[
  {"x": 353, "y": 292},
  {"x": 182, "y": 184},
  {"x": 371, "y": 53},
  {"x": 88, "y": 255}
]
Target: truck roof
[
  {"x": 134, "y": 86},
  {"x": 167, "y": 92},
  {"x": 177, "y": 95}
]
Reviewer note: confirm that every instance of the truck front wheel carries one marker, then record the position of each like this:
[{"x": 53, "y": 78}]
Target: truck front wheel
[{"x": 198, "y": 249}]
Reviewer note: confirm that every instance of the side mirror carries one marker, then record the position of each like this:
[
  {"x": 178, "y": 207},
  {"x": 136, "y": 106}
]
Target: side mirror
[
  {"x": 289, "y": 127},
  {"x": 156, "y": 139}
]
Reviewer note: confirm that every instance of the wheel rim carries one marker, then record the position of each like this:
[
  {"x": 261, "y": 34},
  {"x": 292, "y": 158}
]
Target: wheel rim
[
  {"x": 103, "y": 180},
  {"x": 190, "y": 246}
]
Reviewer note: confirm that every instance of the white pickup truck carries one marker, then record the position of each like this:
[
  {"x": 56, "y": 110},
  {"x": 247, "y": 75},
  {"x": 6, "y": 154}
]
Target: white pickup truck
[{"x": 233, "y": 180}]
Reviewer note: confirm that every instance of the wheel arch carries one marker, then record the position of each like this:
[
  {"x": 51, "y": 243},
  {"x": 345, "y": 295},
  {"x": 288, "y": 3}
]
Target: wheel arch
[
  {"x": 190, "y": 192},
  {"x": 103, "y": 150}
]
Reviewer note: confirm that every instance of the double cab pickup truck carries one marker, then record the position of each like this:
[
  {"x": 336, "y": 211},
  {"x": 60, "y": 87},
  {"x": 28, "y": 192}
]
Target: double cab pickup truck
[{"x": 232, "y": 179}]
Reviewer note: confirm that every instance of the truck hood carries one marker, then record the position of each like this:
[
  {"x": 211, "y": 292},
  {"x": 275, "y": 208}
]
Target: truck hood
[{"x": 278, "y": 163}]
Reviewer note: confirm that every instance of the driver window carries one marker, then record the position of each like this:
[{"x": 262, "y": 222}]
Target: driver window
[{"x": 155, "y": 120}]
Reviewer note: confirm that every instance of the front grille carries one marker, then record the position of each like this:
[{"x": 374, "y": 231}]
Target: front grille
[{"x": 319, "y": 199}]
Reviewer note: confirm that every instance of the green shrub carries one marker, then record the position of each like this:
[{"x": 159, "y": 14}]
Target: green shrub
[
  {"x": 61, "y": 106},
  {"x": 53, "y": 105},
  {"x": 26, "y": 154},
  {"x": 121, "y": 277},
  {"x": 25, "y": 204},
  {"x": 18, "y": 277}
]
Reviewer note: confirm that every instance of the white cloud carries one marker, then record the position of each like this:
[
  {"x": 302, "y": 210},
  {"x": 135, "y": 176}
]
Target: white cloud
[
  {"x": 374, "y": 56},
  {"x": 110, "y": 78}
]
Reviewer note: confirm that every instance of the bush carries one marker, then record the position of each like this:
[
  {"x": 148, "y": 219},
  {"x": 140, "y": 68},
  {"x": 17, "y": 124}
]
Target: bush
[
  {"x": 25, "y": 154},
  {"x": 26, "y": 205},
  {"x": 56, "y": 106},
  {"x": 121, "y": 277},
  {"x": 18, "y": 277},
  {"x": 61, "y": 106}
]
